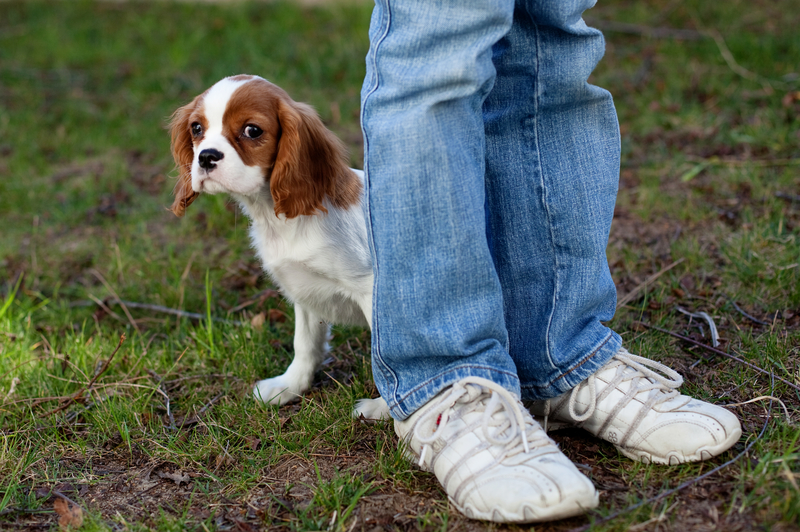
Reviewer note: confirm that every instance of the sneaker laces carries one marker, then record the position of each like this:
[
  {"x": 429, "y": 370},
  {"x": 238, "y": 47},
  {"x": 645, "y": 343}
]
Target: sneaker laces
[
  {"x": 500, "y": 401},
  {"x": 644, "y": 376}
]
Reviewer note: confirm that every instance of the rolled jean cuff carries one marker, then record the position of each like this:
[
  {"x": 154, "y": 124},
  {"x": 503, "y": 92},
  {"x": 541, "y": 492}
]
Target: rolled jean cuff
[{"x": 402, "y": 407}]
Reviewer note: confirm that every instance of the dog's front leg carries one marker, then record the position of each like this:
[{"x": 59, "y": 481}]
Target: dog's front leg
[{"x": 310, "y": 346}]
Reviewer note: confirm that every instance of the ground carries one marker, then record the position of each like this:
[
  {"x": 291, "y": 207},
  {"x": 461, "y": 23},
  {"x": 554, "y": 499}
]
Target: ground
[{"x": 162, "y": 434}]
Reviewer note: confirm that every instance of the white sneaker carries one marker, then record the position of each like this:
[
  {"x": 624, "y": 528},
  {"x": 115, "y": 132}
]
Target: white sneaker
[
  {"x": 493, "y": 460},
  {"x": 641, "y": 412}
]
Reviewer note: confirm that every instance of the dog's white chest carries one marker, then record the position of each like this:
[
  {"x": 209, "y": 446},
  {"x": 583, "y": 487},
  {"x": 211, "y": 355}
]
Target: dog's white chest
[{"x": 317, "y": 274}]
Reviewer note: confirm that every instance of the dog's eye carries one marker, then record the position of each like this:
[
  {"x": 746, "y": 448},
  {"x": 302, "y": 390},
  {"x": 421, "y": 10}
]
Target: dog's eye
[
  {"x": 252, "y": 132},
  {"x": 197, "y": 129}
]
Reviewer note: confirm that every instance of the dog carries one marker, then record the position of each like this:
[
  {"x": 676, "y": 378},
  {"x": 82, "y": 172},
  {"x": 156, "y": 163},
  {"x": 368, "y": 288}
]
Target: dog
[{"x": 246, "y": 137}]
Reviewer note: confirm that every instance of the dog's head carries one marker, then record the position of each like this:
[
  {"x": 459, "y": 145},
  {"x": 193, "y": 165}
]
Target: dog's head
[{"x": 245, "y": 136}]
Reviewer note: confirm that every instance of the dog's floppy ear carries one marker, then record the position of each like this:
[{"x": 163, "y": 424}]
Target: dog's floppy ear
[
  {"x": 183, "y": 153},
  {"x": 310, "y": 164}
]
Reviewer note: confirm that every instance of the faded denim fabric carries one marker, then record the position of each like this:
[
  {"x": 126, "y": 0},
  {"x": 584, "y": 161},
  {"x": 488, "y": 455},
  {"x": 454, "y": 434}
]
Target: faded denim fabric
[{"x": 492, "y": 169}]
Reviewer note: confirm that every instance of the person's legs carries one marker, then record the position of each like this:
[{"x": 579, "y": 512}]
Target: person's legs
[
  {"x": 475, "y": 227},
  {"x": 440, "y": 348},
  {"x": 438, "y": 310},
  {"x": 552, "y": 168}
]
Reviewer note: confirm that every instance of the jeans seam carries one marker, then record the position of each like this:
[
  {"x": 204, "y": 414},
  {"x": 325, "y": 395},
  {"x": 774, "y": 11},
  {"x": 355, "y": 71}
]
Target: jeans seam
[
  {"x": 376, "y": 354},
  {"x": 537, "y": 93},
  {"x": 439, "y": 375}
]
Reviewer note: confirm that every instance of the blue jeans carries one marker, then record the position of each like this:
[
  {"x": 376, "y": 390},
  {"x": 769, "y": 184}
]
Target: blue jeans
[{"x": 492, "y": 170}]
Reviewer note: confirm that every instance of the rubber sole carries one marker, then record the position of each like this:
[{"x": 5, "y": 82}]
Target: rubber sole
[
  {"x": 676, "y": 458},
  {"x": 532, "y": 515}
]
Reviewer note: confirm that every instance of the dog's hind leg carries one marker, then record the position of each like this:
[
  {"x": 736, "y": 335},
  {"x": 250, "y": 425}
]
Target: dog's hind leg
[{"x": 372, "y": 409}]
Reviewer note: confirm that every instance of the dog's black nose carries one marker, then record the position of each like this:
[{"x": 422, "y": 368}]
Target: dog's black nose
[{"x": 208, "y": 158}]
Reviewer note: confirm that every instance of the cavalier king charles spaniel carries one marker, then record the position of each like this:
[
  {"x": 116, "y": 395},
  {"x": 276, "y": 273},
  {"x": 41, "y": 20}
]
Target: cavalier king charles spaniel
[{"x": 246, "y": 137}]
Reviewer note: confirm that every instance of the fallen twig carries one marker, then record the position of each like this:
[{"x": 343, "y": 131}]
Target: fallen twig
[
  {"x": 635, "y": 292},
  {"x": 726, "y": 54},
  {"x": 106, "y": 309},
  {"x": 173, "y": 382},
  {"x": 15, "y": 510},
  {"x": 787, "y": 196},
  {"x": 210, "y": 403},
  {"x": 746, "y": 315},
  {"x": 722, "y": 161},
  {"x": 269, "y": 292},
  {"x": 77, "y": 395},
  {"x": 188, "y": 421},
  {"x": 148, "y": 306},
  {"x": 716, "y": 352},
  {"x": 113, "y": 293},
  {"x": 688, "y": 483},
  {"x": 173, "y": 311}
]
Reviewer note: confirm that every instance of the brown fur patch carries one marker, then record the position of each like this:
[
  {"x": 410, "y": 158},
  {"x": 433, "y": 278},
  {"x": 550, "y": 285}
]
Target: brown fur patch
[
  {"x": 310, "y": 165},
  {"x": 253, "y": 103},
  {"x": 183, "y": 152}
]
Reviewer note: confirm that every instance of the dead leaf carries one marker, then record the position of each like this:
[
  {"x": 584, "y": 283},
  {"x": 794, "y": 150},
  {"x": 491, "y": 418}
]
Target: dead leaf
[
  {"x": 223, "y": 459},
  {"x": 253, "y": 442},
  {"x": 267, "y": 294},
  {"x": 258, "y": 320},
  {"x": 177, "y": 478},
  {"x": 202, "y": 513},
  {"x": 789, "y": 98},
  {"x": 70, "y": 515},
  {"x": 276, "y": 315}
]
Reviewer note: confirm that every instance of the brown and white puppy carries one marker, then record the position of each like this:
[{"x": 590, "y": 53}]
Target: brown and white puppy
[{"x": 246, "y": 137}]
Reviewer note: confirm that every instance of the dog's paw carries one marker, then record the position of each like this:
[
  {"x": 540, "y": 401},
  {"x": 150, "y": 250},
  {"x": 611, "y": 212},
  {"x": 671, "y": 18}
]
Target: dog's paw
[
  {"x": 371, "y": 409},
  {"x": 277, "y": 391}
]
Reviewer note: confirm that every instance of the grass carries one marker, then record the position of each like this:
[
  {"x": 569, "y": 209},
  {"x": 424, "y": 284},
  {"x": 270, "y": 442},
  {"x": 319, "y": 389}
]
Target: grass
[{"x": 710, "y": 164}]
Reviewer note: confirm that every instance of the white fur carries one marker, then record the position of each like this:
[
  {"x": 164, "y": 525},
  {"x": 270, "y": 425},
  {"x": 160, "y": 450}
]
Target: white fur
[
  {"x": 321, "y": 262},
  {"x": 230, "y": 174}
]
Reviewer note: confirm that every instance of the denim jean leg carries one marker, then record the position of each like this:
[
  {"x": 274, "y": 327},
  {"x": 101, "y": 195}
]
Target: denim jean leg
[
  {"x": 437, "y": 306},
  {"x": 552, "y": 171}
]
